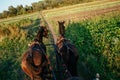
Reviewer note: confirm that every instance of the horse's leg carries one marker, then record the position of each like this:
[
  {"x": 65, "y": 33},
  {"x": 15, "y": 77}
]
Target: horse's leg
[{"x": 72, "y": 65}]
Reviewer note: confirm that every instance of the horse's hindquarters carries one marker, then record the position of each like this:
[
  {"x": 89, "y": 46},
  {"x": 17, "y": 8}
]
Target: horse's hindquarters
[
  {"x": 25, "y": 69},
  {"x": 37, "y": 58}
]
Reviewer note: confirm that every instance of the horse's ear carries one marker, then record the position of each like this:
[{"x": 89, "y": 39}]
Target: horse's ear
[
  {"x": 63, "y": 22},
  {"x": 45, "y": 28},
  {"x": 59, "y": 22}
]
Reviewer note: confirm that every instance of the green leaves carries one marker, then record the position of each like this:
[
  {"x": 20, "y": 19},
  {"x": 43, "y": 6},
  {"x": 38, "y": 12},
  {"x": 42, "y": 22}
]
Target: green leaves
[{"x": 98, "y": 42}]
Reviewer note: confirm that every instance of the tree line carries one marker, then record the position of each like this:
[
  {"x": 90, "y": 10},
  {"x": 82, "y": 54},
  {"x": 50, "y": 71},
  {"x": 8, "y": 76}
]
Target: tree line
[{"x": 38, "y": 6}]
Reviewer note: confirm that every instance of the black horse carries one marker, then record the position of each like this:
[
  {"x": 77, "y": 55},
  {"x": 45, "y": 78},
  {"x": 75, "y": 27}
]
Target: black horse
[{"x": 67, "y": 51}]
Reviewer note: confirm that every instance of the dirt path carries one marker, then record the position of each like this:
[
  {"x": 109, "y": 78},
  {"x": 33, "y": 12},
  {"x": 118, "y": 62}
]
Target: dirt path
[{"x": 50, "y": 28}]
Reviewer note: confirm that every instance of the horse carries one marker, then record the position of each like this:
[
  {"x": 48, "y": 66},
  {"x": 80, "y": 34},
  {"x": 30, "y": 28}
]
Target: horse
[
  {"x": 67, "y": 51},
  {"x": 34, "y": 61}
]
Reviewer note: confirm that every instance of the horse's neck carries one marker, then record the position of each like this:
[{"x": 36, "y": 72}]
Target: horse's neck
[
  {"x": 41, "y": 39},
  {"x": 61, "y": 30}
]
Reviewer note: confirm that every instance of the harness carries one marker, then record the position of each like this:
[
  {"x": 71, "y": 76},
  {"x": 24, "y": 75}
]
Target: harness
[
  {"x": 37, "y": 47},
  {"x": 67, "y": 72}
]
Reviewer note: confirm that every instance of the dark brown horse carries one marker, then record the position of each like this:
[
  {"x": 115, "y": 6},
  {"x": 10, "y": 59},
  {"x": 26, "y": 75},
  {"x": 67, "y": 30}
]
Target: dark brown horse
[
  {"x": 67, "y": 51},
  {"x": 34, "y": 60}
]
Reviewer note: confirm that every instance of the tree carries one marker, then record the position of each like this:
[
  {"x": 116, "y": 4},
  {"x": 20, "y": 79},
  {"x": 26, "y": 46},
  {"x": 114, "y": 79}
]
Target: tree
[
  {"x": 29, "y": 9},
  {"x": 5, "y": 14},
  {"x": 12, "y": 10},
  {"x": 19, "y": 9},
  {"x": 1, "y": 16},
  {"x": 34, "y": 5}
]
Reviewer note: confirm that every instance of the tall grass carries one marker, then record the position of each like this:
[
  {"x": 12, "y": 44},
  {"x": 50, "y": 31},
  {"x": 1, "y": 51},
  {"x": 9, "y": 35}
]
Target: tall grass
[{"x": 15, "y": 37}]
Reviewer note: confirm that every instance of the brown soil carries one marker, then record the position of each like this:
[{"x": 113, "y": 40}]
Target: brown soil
[{"x": 86, "y": 14}]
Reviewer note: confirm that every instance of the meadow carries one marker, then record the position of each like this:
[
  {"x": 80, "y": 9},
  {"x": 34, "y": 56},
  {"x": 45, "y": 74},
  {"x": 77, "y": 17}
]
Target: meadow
[{"x": 80, "y": 8}]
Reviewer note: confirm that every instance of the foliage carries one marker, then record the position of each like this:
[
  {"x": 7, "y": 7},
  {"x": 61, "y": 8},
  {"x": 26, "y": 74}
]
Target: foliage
[{"x": 98, "y": 41}]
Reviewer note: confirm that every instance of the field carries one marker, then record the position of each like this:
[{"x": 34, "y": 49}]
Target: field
[
  {"x": 94, "y": 28},
  {"x": 81, "y": 8}
]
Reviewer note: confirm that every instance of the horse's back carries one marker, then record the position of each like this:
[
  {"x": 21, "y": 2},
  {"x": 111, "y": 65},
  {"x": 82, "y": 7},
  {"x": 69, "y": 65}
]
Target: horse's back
[{"x": 73, "y": 49}]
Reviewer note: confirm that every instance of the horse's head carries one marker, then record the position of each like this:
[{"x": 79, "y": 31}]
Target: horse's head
[
  {"x": 61, "y": 28},
  {"x": 44, "y": 31},
  {"x": 61, "y": 23}
]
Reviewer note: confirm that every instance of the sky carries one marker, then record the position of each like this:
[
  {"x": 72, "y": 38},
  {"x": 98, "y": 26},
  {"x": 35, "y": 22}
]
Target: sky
[{"x": 4, "y": 4}]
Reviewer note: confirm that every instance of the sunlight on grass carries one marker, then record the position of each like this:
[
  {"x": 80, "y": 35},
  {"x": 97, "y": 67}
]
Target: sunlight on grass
[
  {"x": 78, "y": 8},
  {"x": 17, "y": 18}
]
